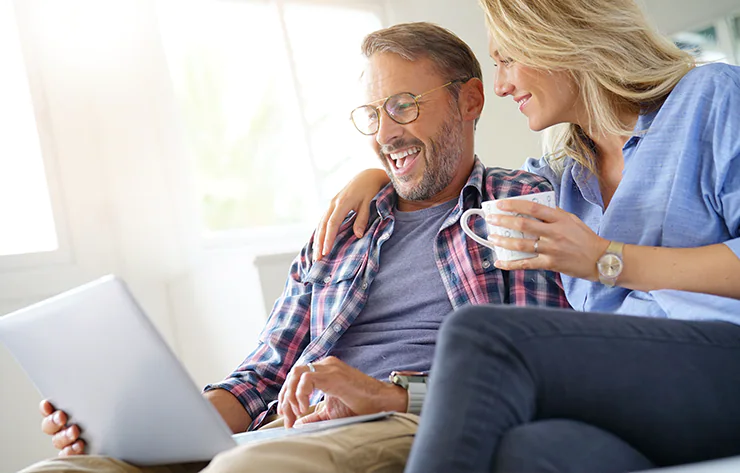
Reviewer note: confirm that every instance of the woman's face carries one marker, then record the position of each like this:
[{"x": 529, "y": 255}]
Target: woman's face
[{"x": 546, "y": 98}]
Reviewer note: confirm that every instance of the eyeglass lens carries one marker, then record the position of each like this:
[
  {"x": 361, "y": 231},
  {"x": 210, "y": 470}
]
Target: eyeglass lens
[{"x": 402, "y": 108}]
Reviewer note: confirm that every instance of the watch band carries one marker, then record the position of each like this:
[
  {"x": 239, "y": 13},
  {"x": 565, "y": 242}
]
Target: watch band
[{"x": 417, "y": 394}]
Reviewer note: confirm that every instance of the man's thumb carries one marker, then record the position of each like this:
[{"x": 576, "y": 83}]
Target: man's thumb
[{"x": 315, "y": 416}]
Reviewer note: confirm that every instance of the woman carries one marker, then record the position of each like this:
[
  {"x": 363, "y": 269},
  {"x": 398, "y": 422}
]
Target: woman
[{"x": 647, "y": 170}]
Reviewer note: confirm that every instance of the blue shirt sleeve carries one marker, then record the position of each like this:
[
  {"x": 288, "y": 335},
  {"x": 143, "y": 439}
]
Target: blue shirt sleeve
[{"x": 725, "y": 136}]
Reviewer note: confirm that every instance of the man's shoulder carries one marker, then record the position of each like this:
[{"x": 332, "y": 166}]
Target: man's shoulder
[{"x": 499, "y": 183}]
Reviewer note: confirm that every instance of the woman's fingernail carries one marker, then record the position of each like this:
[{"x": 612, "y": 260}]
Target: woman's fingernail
[
  {"x": 77, "y": 448},
  {"x": 70, "y": 433},
  {"x": 57, "y": 418}
]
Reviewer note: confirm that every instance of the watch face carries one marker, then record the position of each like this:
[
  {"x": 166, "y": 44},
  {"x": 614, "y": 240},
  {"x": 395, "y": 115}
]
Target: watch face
[{"x": 610, "y": 266}]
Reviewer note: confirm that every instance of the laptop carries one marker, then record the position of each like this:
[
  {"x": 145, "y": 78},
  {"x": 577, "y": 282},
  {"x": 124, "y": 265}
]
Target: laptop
[{"x": 94, "y": 354}]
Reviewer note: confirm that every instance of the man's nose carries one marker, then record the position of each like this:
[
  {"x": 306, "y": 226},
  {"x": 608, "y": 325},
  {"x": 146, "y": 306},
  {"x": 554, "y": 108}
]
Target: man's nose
[{"x": 388, "y": 129}]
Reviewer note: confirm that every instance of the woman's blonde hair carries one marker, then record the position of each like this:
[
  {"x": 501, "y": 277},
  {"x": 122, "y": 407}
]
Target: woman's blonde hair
[{"x": 619, "y": 62}]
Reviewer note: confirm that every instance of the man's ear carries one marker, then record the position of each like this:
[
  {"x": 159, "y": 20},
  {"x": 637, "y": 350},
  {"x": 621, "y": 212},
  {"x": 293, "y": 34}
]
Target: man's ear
[{"x": 471, "y": 99}]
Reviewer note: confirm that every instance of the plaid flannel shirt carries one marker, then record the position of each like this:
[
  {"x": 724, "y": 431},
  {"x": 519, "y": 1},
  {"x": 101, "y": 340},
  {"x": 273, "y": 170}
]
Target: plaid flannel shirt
[{"x": 322, "y": 298}]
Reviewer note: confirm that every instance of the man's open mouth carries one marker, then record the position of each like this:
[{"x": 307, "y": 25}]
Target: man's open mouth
[{"x": 402, "y": 160}]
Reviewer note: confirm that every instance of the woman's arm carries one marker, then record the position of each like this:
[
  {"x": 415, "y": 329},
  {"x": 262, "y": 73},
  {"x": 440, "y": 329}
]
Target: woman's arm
[
  {"x": 568, "y": 246},
  {"x": 356, "y": 195},
  {"x": 712, "y": 269}
]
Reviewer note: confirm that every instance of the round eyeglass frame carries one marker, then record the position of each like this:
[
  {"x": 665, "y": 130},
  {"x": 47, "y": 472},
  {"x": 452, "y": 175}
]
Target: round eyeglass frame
[{"x": 376, "y": 109}]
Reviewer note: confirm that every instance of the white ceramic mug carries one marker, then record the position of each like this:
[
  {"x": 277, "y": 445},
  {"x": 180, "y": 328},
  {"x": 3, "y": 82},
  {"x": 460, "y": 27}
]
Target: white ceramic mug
[{"x": 489, "y": 208}]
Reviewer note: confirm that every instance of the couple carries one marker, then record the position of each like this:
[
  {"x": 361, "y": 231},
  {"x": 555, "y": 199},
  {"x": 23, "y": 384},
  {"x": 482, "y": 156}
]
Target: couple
[{"x": 650, "y": 157}]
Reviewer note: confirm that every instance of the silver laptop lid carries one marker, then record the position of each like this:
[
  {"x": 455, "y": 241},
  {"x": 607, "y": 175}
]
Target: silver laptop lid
[{"x": 93, "y": 353}]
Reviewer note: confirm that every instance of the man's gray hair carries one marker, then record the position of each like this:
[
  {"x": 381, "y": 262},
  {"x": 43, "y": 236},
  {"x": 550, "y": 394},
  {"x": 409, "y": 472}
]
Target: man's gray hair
[{"x": 452, "y": 57}]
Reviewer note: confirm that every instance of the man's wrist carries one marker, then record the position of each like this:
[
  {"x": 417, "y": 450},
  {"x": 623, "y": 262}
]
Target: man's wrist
[
  {"x": 397, "y": 399},
  {"x": 229, "y": 408}
]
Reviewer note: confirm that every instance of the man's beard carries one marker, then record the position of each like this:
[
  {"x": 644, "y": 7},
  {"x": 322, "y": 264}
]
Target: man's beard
[{"x": 441, "y": 157}]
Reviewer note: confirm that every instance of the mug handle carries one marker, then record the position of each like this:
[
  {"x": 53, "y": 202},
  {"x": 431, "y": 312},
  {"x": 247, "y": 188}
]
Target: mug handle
[{"x": 464, "y": 223}]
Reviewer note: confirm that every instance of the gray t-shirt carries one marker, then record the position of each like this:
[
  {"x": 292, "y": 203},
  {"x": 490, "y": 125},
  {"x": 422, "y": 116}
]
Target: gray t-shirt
[{"x": 398, "y": 327}]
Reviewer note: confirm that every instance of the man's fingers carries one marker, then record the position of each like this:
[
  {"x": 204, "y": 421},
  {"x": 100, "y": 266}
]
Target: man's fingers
[
  {"x": 286, "y": 397},
  {"x": 287, "y": 389},
  {"x": 281, "y": 395},
  {"x": 303, "y": 392},
  {"x": 76, "y": 448},
  {"x": 316, "y": 416},
  {"x": 53, "y": 423},
  {"x": 289, "y": 416},
  {"x": 66, "y": 437},
  {"x": 46, "y": 408}
]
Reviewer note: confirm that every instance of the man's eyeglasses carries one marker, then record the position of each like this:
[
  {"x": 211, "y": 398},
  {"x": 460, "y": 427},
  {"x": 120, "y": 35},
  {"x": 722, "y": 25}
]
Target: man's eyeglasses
[{"x": 403, "y": 109}]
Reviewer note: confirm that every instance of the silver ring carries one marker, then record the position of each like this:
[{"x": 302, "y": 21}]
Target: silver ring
[
  {"x": 536, "y": 245},
  {"x": 311, "y": 367}
]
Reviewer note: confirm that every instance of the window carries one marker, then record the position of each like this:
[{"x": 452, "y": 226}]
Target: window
[
  {"x": 735, "y": 22},
  {"x": 717, "y": 42},
  {"x": 265, "y": 89},
  {"x": 25, "y": 205}
]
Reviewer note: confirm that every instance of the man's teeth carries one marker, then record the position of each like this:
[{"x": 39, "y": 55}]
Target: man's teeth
[{"x": 400, "y": 157}]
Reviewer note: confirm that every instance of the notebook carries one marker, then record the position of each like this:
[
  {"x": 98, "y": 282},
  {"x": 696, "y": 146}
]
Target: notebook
[{"x": 94, "y": 353}]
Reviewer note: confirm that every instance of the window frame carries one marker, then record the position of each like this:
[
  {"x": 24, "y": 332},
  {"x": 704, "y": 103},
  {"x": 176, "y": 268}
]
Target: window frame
[
  {"x": 48, "y": 146},
  {"x": 291, "y": 236},
  {"x": 723, "y": 27}
]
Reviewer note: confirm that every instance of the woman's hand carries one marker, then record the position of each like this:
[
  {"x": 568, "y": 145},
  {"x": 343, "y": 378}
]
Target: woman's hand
[
  {"x": 356, "y": 195},
  {"x": 565, "y": 243}
]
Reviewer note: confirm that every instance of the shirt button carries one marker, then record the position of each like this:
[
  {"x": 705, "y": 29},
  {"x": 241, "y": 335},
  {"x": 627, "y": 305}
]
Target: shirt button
[
  {"x": 364, "y": 285},
  {"x": 337, "y": 328},
  {"x": 327, "y": 280},
  {"x": 486, "y": 264}
]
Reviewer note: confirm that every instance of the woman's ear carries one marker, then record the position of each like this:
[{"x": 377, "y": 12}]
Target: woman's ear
[{"x": 471, "y": 99}]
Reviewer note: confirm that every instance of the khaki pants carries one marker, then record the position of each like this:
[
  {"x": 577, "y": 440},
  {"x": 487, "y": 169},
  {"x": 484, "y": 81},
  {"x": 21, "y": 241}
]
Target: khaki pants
[{"x": 380, "y": 447}]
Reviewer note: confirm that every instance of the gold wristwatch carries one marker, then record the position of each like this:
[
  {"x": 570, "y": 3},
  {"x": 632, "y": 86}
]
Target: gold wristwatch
[{"x": 610, "y": 265}]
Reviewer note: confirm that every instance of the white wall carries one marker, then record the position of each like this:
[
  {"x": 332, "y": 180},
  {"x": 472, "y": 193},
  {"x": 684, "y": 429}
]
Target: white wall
[
  {"x": 123, "y": 179},
  {"x": 672, "y": 16}
]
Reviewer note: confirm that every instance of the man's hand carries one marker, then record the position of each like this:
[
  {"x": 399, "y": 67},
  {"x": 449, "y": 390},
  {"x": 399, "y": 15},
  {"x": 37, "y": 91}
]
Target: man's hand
[
  {"x": 330, "y": 408},
  {"x": 65, "y": 438},
  {"x": 348, "y": 392}
]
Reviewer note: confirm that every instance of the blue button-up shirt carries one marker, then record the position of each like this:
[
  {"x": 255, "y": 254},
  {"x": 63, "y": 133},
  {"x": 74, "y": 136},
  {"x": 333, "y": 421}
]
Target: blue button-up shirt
[{"x": 680, "y": 189}]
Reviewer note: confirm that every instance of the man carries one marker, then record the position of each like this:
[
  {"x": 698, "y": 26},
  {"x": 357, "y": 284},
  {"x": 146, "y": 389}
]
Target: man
[{"x": 345, "y": 322}]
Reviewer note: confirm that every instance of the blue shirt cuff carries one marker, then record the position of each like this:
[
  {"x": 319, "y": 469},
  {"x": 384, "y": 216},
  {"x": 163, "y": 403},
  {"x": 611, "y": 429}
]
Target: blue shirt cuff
[{"x": 734, "y": 245}]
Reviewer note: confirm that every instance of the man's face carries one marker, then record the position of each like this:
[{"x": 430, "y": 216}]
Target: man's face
[{"x": 421, "y": 157}]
